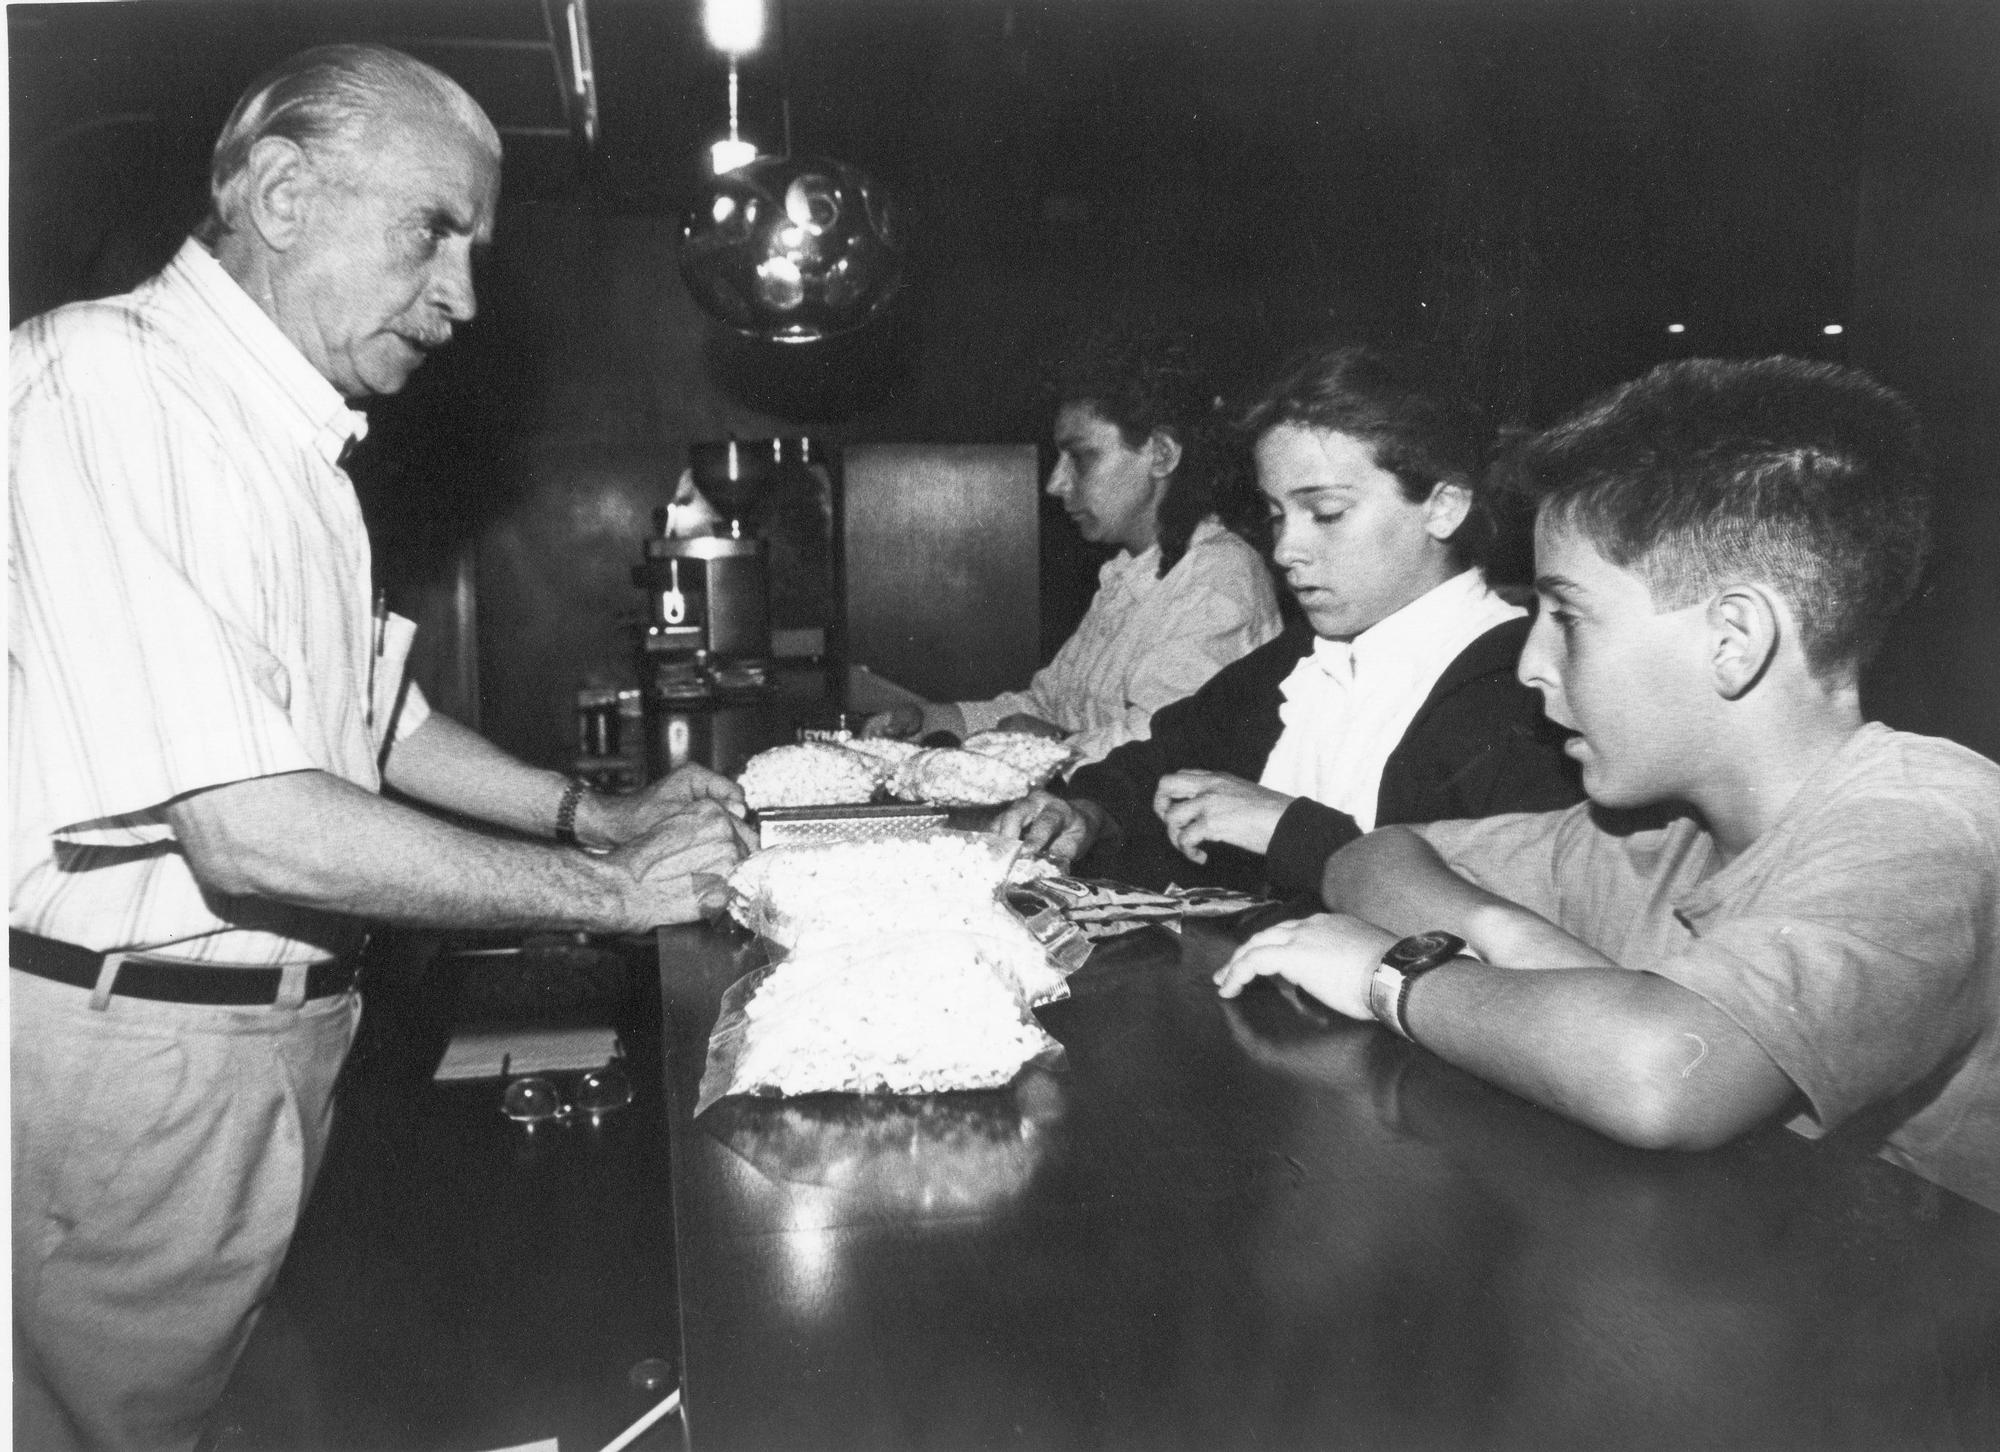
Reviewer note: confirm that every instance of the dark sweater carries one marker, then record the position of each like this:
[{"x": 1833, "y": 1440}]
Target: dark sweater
[{"x": 1478, "y": 746}]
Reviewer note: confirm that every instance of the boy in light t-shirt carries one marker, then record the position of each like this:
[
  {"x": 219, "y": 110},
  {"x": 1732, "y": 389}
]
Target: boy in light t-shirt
[{"x": 1769, "y": 908}]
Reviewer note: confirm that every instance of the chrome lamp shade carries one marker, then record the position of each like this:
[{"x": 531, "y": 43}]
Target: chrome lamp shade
[{"x": 792, "y": 249}]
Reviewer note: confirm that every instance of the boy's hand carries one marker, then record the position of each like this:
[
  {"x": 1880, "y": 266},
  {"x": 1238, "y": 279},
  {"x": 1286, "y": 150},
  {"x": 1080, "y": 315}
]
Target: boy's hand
[
  {"x": 1212, "y": 806},
  {"x": 1331, "y": 956}
]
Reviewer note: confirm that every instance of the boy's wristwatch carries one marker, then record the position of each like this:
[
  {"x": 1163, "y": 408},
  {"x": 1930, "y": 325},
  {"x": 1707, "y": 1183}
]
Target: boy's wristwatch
[{"x": 1404, "y": 963}]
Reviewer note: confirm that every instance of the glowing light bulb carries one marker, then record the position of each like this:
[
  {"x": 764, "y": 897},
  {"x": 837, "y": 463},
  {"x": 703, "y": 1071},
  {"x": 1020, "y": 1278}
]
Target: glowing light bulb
[
  {"x": 735, "y": 27},
  {"x": 730, "y": 153}
]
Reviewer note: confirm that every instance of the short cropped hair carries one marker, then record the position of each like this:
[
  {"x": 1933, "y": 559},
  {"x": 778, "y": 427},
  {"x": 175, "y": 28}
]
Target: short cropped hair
[
  {"x": 1806, "y": 477},
  {"x": 1142, "y": 378},
  {"x": 324, "y": 100},
  {"x": 1403, "y": 403}
]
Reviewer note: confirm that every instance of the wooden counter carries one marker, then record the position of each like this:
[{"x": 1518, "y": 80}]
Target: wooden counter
[
  {"x": 1251, "y": 1225},
  {"x": 1219, "y": 1226}
]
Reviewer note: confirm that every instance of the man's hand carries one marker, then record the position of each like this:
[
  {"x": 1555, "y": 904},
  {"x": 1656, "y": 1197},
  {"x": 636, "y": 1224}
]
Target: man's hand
[
  {"x": 681, "y": 866},
  {"x": 1331, "y": 956},
  {"x": 1211, "y": 806},
  {"x": 1025, "y": 725},
  {"x": 1059, "y": 830},
  {"x": 609, "y": 821}
]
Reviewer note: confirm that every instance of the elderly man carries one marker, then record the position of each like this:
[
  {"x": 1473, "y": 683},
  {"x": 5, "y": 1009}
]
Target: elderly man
[{"x": 203, "y": 708}]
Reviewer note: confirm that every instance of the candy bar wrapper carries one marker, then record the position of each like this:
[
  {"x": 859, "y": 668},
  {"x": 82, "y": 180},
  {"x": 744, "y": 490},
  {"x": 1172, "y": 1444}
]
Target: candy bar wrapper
[
  {"x": 1097, "y": 906},
  {"x": 1066, "y": 943}
]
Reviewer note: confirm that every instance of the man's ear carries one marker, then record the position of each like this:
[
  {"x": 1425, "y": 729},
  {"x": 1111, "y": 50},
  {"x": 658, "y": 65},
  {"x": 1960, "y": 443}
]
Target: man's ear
[
  {"x": 279, "y": 191},
  {"x": 1166, "y": 453},
  {"x": 1446, "y": 509},
  {"x": 1744, "y": 628}
]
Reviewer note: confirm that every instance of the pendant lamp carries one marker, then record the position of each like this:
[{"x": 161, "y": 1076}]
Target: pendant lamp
[{"x": 790, "y": 249}]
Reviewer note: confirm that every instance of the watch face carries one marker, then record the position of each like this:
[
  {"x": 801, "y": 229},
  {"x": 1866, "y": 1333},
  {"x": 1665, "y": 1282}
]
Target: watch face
[{"x": 1424, "y": 950}]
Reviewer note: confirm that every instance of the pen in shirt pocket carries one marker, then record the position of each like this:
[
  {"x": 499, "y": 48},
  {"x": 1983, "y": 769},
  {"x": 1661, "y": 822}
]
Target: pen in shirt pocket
[{"x": 381, "y": 635}]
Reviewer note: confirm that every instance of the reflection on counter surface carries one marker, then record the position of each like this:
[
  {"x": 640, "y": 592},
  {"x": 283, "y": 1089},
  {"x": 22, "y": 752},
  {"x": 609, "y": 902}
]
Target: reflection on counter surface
[{"x": 929, "y": 1155}]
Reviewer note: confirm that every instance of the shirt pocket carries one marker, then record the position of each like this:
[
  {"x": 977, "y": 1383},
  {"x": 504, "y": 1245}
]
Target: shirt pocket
[{"x": 395, "y": 636}]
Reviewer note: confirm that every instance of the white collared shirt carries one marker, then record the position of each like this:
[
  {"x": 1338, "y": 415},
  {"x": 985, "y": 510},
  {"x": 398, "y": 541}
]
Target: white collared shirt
[
  {"x": 1146, "y": 642},
  {"x": 190, "y": 595},
  {"x": 1347, "y": 704}
]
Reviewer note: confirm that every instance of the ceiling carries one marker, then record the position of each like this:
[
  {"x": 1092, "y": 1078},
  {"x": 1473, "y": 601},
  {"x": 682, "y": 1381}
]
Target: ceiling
[{"x": 1645, "y": 162}]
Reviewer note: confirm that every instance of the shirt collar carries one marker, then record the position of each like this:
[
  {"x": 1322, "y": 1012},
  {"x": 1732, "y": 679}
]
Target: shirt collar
[
  {"x": 1440, "y": 622},
  {"x": 1126, "y": 568},
  {"x": 323, "y": 415},
  {"x": 1144, "y": 567}
]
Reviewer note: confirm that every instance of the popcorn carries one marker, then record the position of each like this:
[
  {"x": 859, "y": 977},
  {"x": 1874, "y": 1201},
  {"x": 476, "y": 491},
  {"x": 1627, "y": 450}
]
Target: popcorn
[
  {"x": 870, "y": 888},
  {"x": 1035, "y": 757},
  {"x": 919, "y": 1015},
  {"x": 956, "y": 778},
  {"x": 813, "y": 775},
  {"x": 904, "y": 972}
]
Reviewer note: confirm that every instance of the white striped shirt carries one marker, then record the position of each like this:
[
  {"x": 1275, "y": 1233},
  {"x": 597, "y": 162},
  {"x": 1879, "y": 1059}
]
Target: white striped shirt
[
  {"x": 190, "y": 606},
  {"x": 1146, "y": 642}
]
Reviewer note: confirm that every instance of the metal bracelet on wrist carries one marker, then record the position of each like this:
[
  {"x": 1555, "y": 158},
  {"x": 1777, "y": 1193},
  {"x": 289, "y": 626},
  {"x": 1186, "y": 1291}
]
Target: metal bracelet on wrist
[{"x": 566, "y": 811}]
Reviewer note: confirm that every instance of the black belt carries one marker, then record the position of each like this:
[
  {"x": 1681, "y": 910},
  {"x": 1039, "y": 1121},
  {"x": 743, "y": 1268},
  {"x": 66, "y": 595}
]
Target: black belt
[{"x": 167, "y": 982}]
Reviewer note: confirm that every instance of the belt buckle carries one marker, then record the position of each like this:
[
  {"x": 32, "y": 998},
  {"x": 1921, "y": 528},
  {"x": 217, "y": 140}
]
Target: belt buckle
[
  {"x": 107, "y": 976},
  {"x": 292, "y": 985}
]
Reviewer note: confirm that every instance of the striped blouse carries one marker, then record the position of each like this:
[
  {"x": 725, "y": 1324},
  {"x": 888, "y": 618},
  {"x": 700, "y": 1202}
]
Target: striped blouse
[
  {"x": 1146, "y": 642},
  {"x": 190, "y": 606}
]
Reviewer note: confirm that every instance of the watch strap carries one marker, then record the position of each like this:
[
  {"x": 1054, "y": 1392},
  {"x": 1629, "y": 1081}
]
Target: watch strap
[
  {"x": 1407, "y": 960},
  {"x": 572, "y": 797}
]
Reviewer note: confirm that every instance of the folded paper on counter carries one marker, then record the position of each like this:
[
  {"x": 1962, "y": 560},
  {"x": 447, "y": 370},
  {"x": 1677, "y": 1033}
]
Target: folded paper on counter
[{"x": 491, "y": 1052}]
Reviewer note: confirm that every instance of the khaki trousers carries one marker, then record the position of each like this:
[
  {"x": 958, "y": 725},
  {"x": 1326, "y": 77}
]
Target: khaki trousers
[{"x": 162, "y": 1155}]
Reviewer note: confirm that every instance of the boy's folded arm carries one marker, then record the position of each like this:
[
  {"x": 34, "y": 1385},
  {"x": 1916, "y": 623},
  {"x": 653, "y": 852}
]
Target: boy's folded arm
[
  {"x": 1394, "y": 878},
  {"x": 1630, "y": 1054}
]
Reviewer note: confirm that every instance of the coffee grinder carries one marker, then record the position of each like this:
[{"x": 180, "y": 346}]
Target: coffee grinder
[{"x": 708, "y": 632}]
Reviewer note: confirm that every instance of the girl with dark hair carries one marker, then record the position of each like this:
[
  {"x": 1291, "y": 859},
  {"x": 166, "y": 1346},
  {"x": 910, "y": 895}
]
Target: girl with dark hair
[{"x": 1141, "y": 463}]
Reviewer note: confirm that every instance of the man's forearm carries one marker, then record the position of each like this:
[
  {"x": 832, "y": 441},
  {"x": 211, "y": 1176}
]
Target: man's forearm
[
  {"x": 313, "y": 840},
  {"x": 445, "y": 764}
]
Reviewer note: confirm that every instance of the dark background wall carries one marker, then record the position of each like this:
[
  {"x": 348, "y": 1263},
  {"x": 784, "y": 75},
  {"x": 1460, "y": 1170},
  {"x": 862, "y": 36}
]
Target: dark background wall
[{"x": 1544, "y": 187}]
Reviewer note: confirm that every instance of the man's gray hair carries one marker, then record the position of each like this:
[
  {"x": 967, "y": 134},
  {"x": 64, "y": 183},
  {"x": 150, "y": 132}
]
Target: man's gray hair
[{"x": 324, "y": 99}]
